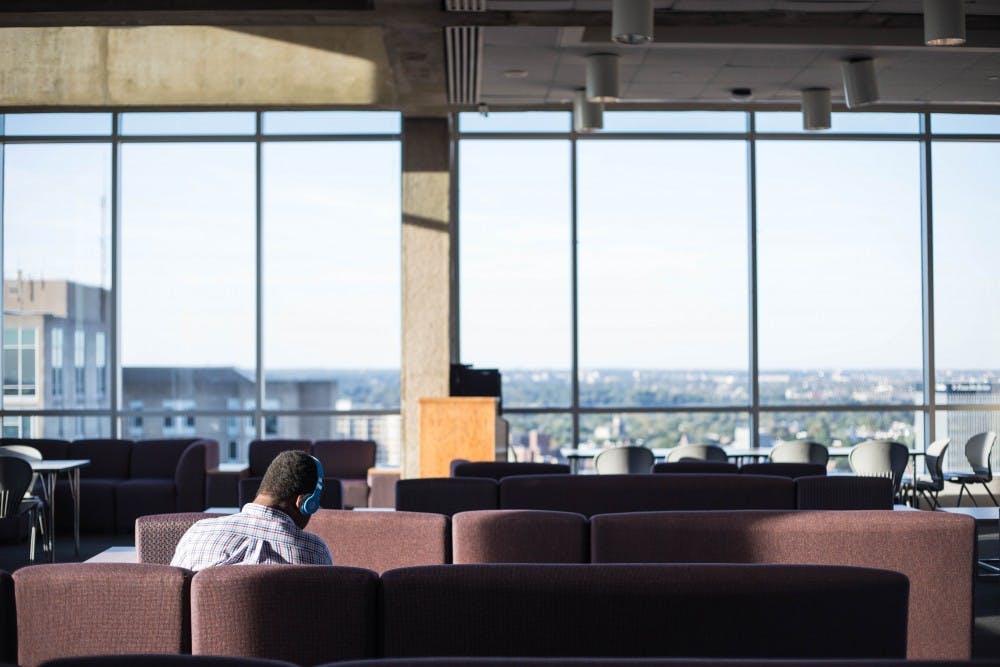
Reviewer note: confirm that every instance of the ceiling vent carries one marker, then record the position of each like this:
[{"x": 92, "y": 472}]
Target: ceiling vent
[
  {"x": 465, "y": 5},
  {"x": 464, "y": 51}
]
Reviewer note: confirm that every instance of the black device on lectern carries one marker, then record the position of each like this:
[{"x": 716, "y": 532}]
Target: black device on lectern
[{"x": 469, "y": 381}]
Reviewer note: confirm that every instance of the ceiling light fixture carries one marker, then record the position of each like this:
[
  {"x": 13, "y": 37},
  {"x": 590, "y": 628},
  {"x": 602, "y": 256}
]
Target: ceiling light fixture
[
  {"x": 860, "y": 84},
  {"x": 587, "y": 116},
  {"x": 741, "y": 94},
  {"x": 632, "y": 21},
  {"x": 602, "y": 77},
  {"x": 944, "y": 22},
  {"x": 816, "y": 109}
]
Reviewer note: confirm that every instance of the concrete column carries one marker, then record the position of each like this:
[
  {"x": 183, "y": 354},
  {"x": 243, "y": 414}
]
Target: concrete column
[{"x": 429, "y": 317}]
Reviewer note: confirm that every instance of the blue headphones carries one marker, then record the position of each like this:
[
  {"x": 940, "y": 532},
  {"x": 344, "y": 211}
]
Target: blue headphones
[{"x": 311, "y": 503}]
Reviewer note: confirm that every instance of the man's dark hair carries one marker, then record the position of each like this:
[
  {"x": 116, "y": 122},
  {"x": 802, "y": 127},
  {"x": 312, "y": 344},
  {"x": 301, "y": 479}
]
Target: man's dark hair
[{"x": 290, "y": 474}]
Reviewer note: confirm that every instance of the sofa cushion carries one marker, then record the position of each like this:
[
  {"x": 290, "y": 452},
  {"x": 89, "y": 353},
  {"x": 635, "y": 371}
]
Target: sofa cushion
[
  {"x": 109, "y": 459},
  {"x": 306, "y": 614},
  {"x": 345, "y": 459},
  {"x": 520, "y": 536},
  {"x": 103, "y": 608},
  {"x": 260, "y": 453},
  {"x": 355, "y": 492},
  {"x": 139, "y": 497},
  {"x": 157, "y": 535},
  {"x": 97, "y": 505},
  {"x": 446, "y": 495},
  {"x": 383, "y": 541},
  {"x": 640, "y": 610},
  {"x": 602, "y": 494},
  {"x": 157, "y": 458}
]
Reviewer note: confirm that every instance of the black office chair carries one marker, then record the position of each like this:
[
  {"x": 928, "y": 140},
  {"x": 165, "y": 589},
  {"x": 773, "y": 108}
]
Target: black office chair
[
  {"x": 15, "y": 478},
  {"x": 930, "y": 487},
  {"x": 977, "y": 450}
]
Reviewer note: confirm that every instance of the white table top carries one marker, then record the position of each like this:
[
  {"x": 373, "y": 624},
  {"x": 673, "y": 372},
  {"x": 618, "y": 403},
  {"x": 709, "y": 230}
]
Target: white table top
[
  {"x": 58, "y": 465},
  {"x": 115, "y": 555}
]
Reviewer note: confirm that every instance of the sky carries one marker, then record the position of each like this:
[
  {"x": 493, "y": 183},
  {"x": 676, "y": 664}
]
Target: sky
[{"x": 662, "y": 245}]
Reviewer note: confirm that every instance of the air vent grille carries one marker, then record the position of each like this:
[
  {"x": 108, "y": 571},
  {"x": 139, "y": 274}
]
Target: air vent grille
[
  {"x": 464, "y": 50},
  {"x": 465, "y": 5}
]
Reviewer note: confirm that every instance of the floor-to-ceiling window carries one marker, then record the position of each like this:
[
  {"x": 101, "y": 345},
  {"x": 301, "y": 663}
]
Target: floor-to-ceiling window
[
  {"x": 232, "y": 275},
  {"x": 737, "y": 280}
]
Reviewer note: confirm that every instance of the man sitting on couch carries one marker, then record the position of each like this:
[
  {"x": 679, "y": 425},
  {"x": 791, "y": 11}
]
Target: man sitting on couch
[{"x": 268, "y": 530}]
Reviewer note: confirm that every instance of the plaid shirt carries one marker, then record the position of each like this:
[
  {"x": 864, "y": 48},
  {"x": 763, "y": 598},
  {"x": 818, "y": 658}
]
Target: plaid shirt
[{"x": 258, "y": 534}]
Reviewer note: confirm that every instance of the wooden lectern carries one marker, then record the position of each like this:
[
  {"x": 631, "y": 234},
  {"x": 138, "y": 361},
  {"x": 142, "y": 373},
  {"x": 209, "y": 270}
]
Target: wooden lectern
[{"x": 457, "y": 427}]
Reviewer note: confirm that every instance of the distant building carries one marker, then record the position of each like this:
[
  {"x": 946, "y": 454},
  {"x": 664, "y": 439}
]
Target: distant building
[
  {"x": 55, "y": 347},
  {"x": 56, "y": 357},
  {"x": 960, "y": 425}
]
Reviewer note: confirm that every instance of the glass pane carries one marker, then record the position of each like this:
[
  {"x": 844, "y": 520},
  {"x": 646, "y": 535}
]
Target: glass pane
[
  {"x": 514, "y": 206},
  {"x": 845, "y": 122},
  {"x": 675, "y": 121},
  {"x": 960, "y": 425},
  {"x": 843, "y": 430},
  {"x": 663, "y": 273},
  {"x": 661, "y": 431},
  {"x": 515, "y": 121},
  {"x": 57, "y": 258},
  {"x": 539, "y": 437},
  {"x": 188, "y": 274},
  {"x": 383, "y": 429},
  {"x": 955, "y": 123},
  {"x": 839, "y": 289},
  {"x": 56, "y": 124},
  {"x": 187, "y": 123},
  {"x": 966, "y": 235},
  {"x": 332, "y": 234},
  {"x": 332, "y": 122}
]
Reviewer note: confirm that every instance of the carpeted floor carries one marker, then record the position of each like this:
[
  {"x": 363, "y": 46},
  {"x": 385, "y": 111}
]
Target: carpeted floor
[{"x": 987, "y": 595}]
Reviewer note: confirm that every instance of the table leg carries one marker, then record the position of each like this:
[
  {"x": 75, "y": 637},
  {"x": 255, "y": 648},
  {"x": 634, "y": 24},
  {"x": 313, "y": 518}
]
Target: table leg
[
  {"x": 52, "y": 514},
  {"x": 75, "y": 488}
]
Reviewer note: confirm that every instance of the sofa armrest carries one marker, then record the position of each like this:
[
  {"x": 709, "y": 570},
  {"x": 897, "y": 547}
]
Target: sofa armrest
[
  {"x": 382, "y": 487},
  {"x": 190, "y": 478}
]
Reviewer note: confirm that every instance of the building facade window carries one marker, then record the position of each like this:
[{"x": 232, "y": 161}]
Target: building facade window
[
  {"x": 19, "y": 362},
  {"x": 57, "y": 363},
  {"x": 80, "y": 365},
  {"x": 101, "y": 364}
]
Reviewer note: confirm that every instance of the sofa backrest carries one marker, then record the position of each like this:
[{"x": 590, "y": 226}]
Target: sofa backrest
[
  {"x": 601, "y": 494},
  {"x": 157, "y": 535},
  {"x": 323, "y": 614},
  {"x": 383, "y": 541},
  {"x": 500, "y": 469},
  {"x": 783, "y": 611},
  {"x": 100, "y": 609},
  {"x": 345, "y": 459},
  {"x": 792, "y": 470},
  {"x": 520, "y": 536},
  {"x": 933, "y": 549},
  {"x": 154, "y": 660},
  {"x": 843, "y": 492},
  {"x": 157, "y": 459},
  {"x": 446, "y": 495},
  {"x": 260, "y": 453},
  {"x": 109, "y": 459},
  {"x": 695, "y": 466},
  {"x": 49, "y": 448}
]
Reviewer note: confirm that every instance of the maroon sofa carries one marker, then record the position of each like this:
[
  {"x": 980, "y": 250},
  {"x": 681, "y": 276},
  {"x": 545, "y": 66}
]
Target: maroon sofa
[
  {"x": 309, "y": 614},
  {"x": 345, "y": 468},
  {"x": 127, "y": 479}
]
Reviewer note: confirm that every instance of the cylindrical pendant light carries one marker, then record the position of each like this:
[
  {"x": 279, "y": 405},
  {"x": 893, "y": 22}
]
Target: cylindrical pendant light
[
  {"x": 816, "y": 109},
  {"x": 632, "y": 21},
  {"x": 602, "y": 77},
  {"x": 860, "y": 84},
  {"x": 587, "y": 116},
  {"x": 944, "y": 22}
]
